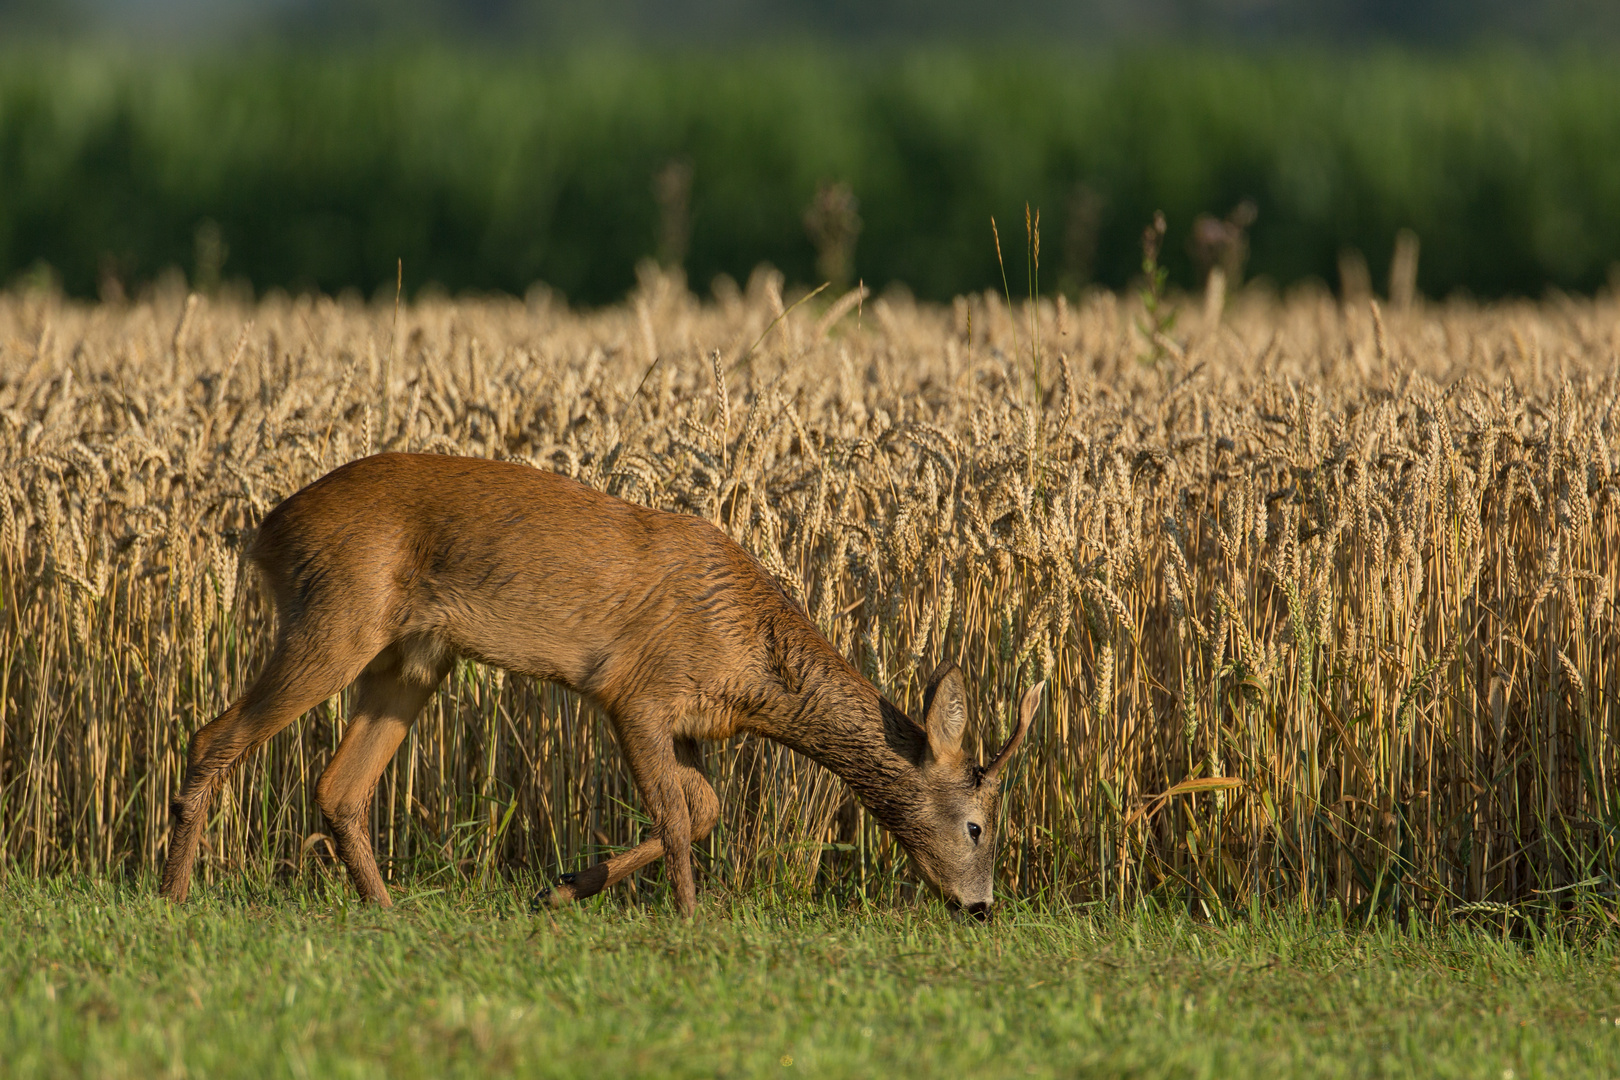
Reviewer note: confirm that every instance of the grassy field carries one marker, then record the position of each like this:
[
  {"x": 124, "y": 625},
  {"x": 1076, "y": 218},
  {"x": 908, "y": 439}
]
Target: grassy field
[
  {"x": 101, "y": 979},
  {"x": 1323, "y": 594}
]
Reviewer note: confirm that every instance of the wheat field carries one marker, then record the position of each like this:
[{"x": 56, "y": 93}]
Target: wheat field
[{"x": 1323, "y": 593}]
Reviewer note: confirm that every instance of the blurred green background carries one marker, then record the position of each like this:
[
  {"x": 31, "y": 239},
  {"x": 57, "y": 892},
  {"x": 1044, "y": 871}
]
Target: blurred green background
[{"x": 315, "y": 154}]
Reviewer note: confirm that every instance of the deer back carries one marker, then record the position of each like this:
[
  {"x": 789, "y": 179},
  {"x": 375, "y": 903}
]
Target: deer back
[{"x": 527, "y": 570}]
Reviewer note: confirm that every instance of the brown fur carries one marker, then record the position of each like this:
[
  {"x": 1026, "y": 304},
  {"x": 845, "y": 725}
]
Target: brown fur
[{"x": 385, "y": 570}]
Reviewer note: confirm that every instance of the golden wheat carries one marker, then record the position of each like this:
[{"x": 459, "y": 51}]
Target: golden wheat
[{"x": 1324, "y": 598}]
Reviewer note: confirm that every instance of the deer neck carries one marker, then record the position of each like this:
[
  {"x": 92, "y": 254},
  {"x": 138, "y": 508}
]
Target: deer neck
[{"x": 821, "y": 707}]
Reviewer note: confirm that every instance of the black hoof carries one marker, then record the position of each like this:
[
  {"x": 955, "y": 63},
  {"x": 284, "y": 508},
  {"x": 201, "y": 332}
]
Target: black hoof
[{"x": 546, "y": 898}]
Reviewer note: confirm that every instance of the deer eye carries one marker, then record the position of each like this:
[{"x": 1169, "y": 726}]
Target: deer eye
[{"x": 974, "y": 830}]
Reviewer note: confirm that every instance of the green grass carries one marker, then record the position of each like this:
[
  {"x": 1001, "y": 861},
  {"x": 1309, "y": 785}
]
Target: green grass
[{"x": 103, "y": 979}]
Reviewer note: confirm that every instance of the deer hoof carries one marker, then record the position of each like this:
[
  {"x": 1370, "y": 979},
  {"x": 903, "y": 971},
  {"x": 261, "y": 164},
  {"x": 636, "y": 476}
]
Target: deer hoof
[{"x": 561, "y": 895}]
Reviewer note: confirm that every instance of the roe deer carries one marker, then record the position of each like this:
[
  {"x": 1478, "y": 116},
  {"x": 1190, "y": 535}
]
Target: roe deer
[{"x": 387, "y": 569}]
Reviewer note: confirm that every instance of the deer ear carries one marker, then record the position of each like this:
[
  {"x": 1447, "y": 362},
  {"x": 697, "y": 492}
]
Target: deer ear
[
  {"x": 1026, "y": 713},
  {"x": 945, "y": 711}
]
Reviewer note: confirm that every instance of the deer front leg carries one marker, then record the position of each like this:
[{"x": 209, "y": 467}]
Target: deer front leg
[
  {"x": 675, "y": 830},
  {"x": 651, "y": 757},
  {"x": 703, "y": 811}
]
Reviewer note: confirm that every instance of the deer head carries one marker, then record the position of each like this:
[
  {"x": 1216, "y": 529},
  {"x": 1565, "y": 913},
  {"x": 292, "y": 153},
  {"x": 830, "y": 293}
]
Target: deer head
[{"x": 952, "y": 838}]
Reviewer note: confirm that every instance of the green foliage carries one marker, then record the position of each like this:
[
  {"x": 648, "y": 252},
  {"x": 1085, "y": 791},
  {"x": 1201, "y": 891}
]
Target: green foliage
[
  {"x": 104, "y": 979},
  {"x": 491, "y": 171}
]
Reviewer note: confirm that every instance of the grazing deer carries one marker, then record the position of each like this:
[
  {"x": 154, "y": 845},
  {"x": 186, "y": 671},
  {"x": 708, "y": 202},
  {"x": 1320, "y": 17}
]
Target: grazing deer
[{"x": 386, "y": 570}]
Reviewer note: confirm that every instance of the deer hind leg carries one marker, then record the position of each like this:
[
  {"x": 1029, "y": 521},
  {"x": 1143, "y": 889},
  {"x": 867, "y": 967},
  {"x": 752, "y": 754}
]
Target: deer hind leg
[
  {"x": 703, "y": 811},
  {"x": 388, "y": 695},
  {"x": 300, "y": 674}
]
